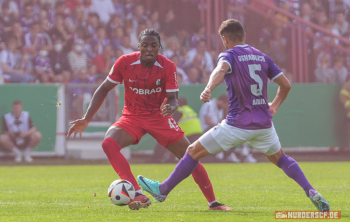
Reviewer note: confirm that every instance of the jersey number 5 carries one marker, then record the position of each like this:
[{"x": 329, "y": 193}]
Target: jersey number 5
[{"x": 254, "y": 88}]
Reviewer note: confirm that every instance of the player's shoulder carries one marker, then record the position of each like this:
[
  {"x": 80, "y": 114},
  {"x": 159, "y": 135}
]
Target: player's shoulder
[
  {"x": 129, "y": 58},
  {"x": 164, "y": 62}
]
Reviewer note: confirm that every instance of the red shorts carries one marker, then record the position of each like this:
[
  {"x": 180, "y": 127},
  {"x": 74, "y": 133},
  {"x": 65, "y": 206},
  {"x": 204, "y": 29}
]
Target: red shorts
[{"x": 164, "y": 129}]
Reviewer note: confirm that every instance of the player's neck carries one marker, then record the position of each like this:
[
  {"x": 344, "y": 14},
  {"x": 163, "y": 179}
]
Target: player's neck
[
  {"x": 147, "y": 64},
  {"x": 233, "y": 44}
]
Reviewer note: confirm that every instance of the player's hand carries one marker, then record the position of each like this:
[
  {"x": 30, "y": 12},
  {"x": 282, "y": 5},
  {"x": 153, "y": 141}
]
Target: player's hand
[
  {"x": 78, "y": 127},
  {"x": 165, "y": 108},
  {"x": 273, "y": 109},
  {"x": 205, "y": 95}
]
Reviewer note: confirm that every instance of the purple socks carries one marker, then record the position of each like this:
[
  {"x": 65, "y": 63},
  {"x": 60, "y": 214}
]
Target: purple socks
[
  {"x": 183, "y": 169},
  {"x": 292, "y": 169}
]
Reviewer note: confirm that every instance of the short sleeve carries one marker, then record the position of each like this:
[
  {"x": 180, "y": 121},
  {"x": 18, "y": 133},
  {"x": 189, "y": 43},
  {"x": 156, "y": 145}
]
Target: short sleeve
[
  {"x": 3, "y": 56},
  {"x": 226, "y": 57},
  {"x": 273, "y": 71},
  {"x": 30, "y": 122},
  {"x": 171, "y": 76},
  {"x": 115, "y": 75},
  {"x": 4, "y": 125}
]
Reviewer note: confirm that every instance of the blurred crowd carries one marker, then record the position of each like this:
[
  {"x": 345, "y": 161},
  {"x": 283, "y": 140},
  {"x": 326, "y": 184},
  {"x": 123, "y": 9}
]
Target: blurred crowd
[
  {"x": 56, "y": 41},
  {"x": 63, "y": 41},
  {"x": 274, "y": 38}
]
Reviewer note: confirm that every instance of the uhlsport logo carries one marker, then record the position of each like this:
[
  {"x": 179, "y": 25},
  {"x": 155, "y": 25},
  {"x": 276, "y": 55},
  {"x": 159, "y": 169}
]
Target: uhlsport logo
[
  {"x": 307, "y": 215},
  {"x": 159, "y": 82}
]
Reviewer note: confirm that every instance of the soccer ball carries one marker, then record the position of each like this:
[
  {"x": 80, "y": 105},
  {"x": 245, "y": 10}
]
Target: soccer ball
[{"x": 121, "y": 192}]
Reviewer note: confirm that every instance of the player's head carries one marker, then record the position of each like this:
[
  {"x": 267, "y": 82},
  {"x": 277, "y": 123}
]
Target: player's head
[
  {"x": 149, "y": 45},
  {"x": 17, "y": 108},
  {"x": 232, "y": 33}
]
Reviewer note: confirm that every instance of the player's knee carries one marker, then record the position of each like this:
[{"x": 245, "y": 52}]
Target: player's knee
[
  {"x": 109, "y": 144},
  {"x": 37, "y": 136},
  {"x": 4, "y": 138}
]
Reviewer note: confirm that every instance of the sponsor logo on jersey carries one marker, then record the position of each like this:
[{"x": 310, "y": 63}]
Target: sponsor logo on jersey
[
  {"x": 159, "y": 82},
  {"x": 259, "y": 102},
  {"x": 146, "y": 91}
]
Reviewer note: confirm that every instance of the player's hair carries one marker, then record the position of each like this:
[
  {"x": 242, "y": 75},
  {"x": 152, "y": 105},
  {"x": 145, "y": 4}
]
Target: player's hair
[
  {"x": 232, "y": 29},
  {"x": 150, "y": 32},
  {"x": 17, "y": 102}
]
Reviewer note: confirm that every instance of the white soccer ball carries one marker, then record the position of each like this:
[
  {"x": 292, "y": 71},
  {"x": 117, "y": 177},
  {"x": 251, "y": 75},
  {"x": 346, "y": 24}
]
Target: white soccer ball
[{"x": 121, "y": 192}]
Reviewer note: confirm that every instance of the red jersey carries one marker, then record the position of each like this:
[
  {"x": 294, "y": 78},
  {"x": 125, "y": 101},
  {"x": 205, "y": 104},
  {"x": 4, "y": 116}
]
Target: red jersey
[{"x": 145, "y": 88}]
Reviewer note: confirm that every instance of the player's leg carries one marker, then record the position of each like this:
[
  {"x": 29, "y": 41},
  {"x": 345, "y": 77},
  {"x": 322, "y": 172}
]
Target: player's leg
[
  {"x": 117, "y": 138},
  {"x": 268, "y": 142},
  {"x": 205, "y": 145},
  {"x": 8, "y": 143},
  {"x": 34, "y": 140},
  {"x": 199, "y": 175}
]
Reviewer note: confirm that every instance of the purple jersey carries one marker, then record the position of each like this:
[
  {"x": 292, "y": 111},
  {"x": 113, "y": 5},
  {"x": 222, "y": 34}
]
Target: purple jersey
[
  {"x": 43, "y": 63},
  {"x": 247, "y": 87}
]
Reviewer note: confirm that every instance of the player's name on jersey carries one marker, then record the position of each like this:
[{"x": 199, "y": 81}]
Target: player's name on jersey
[
  {"x": 244, "y": 58},
  {"x": 258, "y": 102},
  {"x": 146, "y": 91}
]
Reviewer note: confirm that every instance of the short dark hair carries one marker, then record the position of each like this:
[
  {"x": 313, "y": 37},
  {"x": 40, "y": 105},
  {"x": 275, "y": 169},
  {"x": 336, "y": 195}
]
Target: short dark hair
[
  {"x": 17, "y": 102},
  {"x": 150, "y": 32},
  {"x": 232, "y": 29}
]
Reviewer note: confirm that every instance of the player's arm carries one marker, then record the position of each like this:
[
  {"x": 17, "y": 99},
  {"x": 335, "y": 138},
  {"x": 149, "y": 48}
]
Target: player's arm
[
  {"x": 170, "y": 104},
  {"x": 344, "y": 96},
  {"x": 282, "y": 93},
  {"x": 215, "y": 79},
  {"x": 96, "y": 102}
]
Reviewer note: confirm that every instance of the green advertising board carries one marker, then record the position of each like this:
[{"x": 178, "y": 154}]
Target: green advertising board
[{"x": 40, "y": 101}]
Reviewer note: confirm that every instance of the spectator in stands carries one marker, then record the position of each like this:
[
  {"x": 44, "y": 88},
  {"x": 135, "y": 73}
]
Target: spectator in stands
[
  {"x": 193, "y": 75},
  {"x": 103, "y": 61},
  {"x": 19, "y": 133},
  {"x": 59, "y": 62},
  {"x": 77, "y": 94},
  {"x": 341, "y": 24},
  {"x": 207, "y": 60},
  {"x": 100, "y": 40},
  {"x": 116, "y": 37},
  {"x": 9, "y": 65},
  {"x": 307, "y": 13},
  {"x": 236, "y": 11},
  {"x": 77, "y": 58},
  {"x": 86, "y": 6},
  {"x": 75, "y": 20},
  {"x": 113, "y": 24},
  {"x": 125, "y": 47},
  {"x": 119, "y": 8},
  {"x": 294, "y": 6},
  {"x": 6, "y": 19},
  {"x": 182, "y": 37},
  {"x": 172, "y": 47},
  {"x": 341, "y": 72},
  {"x": 336, "y": 6},
  {"x": 169, "y": 24},
  {"x": 71, "y": 5},
  {"x": 44, "y": 28},
  {"x": 153, "y": 22},
  {"x": 184, "y": 79},
  {"x": 129, "y": 7},
  {"x": 42, "y": 67},
  {"x": 15, "y": 34},
  {"x": 104, "y": 8},
  {"x": 137, "y": 17},
  {"x": 278, "y": 47},
  {"x": 29, "y": 18},
  {"x": 13, "y": 8},
  {"x": 324, "y": 73},
  {"x": 59, "y": 30},
  {"x": 198, "y": 35},
  {"x": 34, "y": 39},
  {"x": 321, "y": 17},
  {"x": 93, "y": 22}
]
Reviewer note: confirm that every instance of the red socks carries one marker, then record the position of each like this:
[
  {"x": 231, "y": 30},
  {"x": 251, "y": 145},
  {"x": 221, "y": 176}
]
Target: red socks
[
  {"x": 200, "y": 175},
  {"x": 118, "y": 161}
]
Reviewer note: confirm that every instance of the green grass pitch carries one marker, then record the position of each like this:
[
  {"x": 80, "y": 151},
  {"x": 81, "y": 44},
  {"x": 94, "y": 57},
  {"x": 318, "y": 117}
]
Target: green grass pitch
[{"x": 253, "y": 191}]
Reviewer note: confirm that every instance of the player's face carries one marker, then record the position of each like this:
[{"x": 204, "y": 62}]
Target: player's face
[
  {"x": 17, "y": 110},
  {"x": 149, "y": 48}
]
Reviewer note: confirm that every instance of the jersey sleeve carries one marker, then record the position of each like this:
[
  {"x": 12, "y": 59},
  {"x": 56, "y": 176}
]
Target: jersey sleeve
[
  {"x": 4, "y": 125},
  {"x": 171, "y": 82},
  {"x": 273, "y": 71},
  {"x": 115, "y": 75},
  {"x": 225, "y": 57}
]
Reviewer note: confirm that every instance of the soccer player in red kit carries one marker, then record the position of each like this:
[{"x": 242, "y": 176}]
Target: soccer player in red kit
[{"x": 150, "y": 99}]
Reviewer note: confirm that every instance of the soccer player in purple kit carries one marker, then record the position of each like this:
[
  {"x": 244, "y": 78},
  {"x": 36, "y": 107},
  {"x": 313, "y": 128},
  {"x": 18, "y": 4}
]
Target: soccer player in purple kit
[{"x": 246, "y": 71}]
